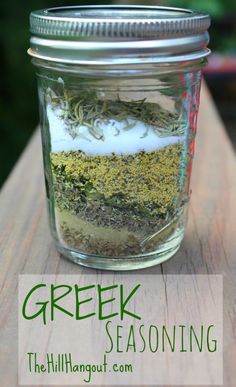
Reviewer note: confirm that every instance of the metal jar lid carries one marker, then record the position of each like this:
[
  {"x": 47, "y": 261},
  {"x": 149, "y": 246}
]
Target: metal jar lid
[{"x": 106, "y": 35}]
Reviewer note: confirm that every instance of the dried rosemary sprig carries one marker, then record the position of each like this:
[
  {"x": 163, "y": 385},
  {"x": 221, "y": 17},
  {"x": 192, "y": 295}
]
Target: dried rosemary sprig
[{"x": 86, "y": 109}]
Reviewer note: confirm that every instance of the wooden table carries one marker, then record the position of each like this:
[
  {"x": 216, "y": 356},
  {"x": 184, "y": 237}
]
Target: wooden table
[{"x": 209, "y": 246}]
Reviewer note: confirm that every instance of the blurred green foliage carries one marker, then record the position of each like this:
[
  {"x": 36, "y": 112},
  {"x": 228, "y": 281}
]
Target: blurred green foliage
[
  {"x": 18, "y": 103},
  {"x": 216, "y": 8},
  {"x": 18, "y": 98},
  {"x": 223, "y": 14}
]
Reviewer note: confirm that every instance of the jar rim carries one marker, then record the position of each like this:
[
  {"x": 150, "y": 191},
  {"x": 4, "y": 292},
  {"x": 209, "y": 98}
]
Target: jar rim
[{"x": 125, "y": 34}]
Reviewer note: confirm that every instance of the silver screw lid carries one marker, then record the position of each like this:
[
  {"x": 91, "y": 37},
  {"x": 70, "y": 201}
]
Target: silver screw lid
[{"x": 118, "y": 34}]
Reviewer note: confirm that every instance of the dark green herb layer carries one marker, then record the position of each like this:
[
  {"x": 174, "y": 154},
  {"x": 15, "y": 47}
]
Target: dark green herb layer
[{"x": 138, "y": 192}]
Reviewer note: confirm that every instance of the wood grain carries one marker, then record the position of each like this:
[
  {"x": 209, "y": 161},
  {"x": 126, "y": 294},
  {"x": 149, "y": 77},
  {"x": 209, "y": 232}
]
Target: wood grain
[{"x": 208, "y": 248}]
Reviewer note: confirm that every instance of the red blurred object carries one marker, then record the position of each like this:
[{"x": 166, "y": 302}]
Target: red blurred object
[{"x": 221, "y": 64}]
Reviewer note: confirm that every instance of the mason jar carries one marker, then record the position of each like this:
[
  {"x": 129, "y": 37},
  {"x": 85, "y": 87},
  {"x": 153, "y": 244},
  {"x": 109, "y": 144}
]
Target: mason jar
[{"x": 119, "y": 96}]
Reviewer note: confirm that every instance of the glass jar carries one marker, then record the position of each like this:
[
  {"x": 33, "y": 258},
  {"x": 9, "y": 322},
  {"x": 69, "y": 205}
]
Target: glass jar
[{"x": 119, "y": 96}]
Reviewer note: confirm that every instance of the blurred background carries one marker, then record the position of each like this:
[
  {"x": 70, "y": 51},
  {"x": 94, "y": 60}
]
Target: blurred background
[{"x": 18, "y": 105}]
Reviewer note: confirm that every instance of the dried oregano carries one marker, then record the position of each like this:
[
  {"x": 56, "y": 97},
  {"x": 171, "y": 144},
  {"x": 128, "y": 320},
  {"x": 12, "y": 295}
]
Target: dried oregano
[
  {"x": 98, "y": 198},
  {"x": 139, "y": 193}
]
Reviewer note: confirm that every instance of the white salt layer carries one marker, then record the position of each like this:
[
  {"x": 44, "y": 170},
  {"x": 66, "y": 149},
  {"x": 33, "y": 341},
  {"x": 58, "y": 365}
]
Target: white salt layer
[{"x": 116, "y": 137}]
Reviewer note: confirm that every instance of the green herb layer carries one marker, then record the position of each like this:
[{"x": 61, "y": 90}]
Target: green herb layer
[{"x": 139, "y": 192}]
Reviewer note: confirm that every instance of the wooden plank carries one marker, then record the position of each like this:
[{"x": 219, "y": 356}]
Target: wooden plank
[{"x": 209, "y": 246}]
